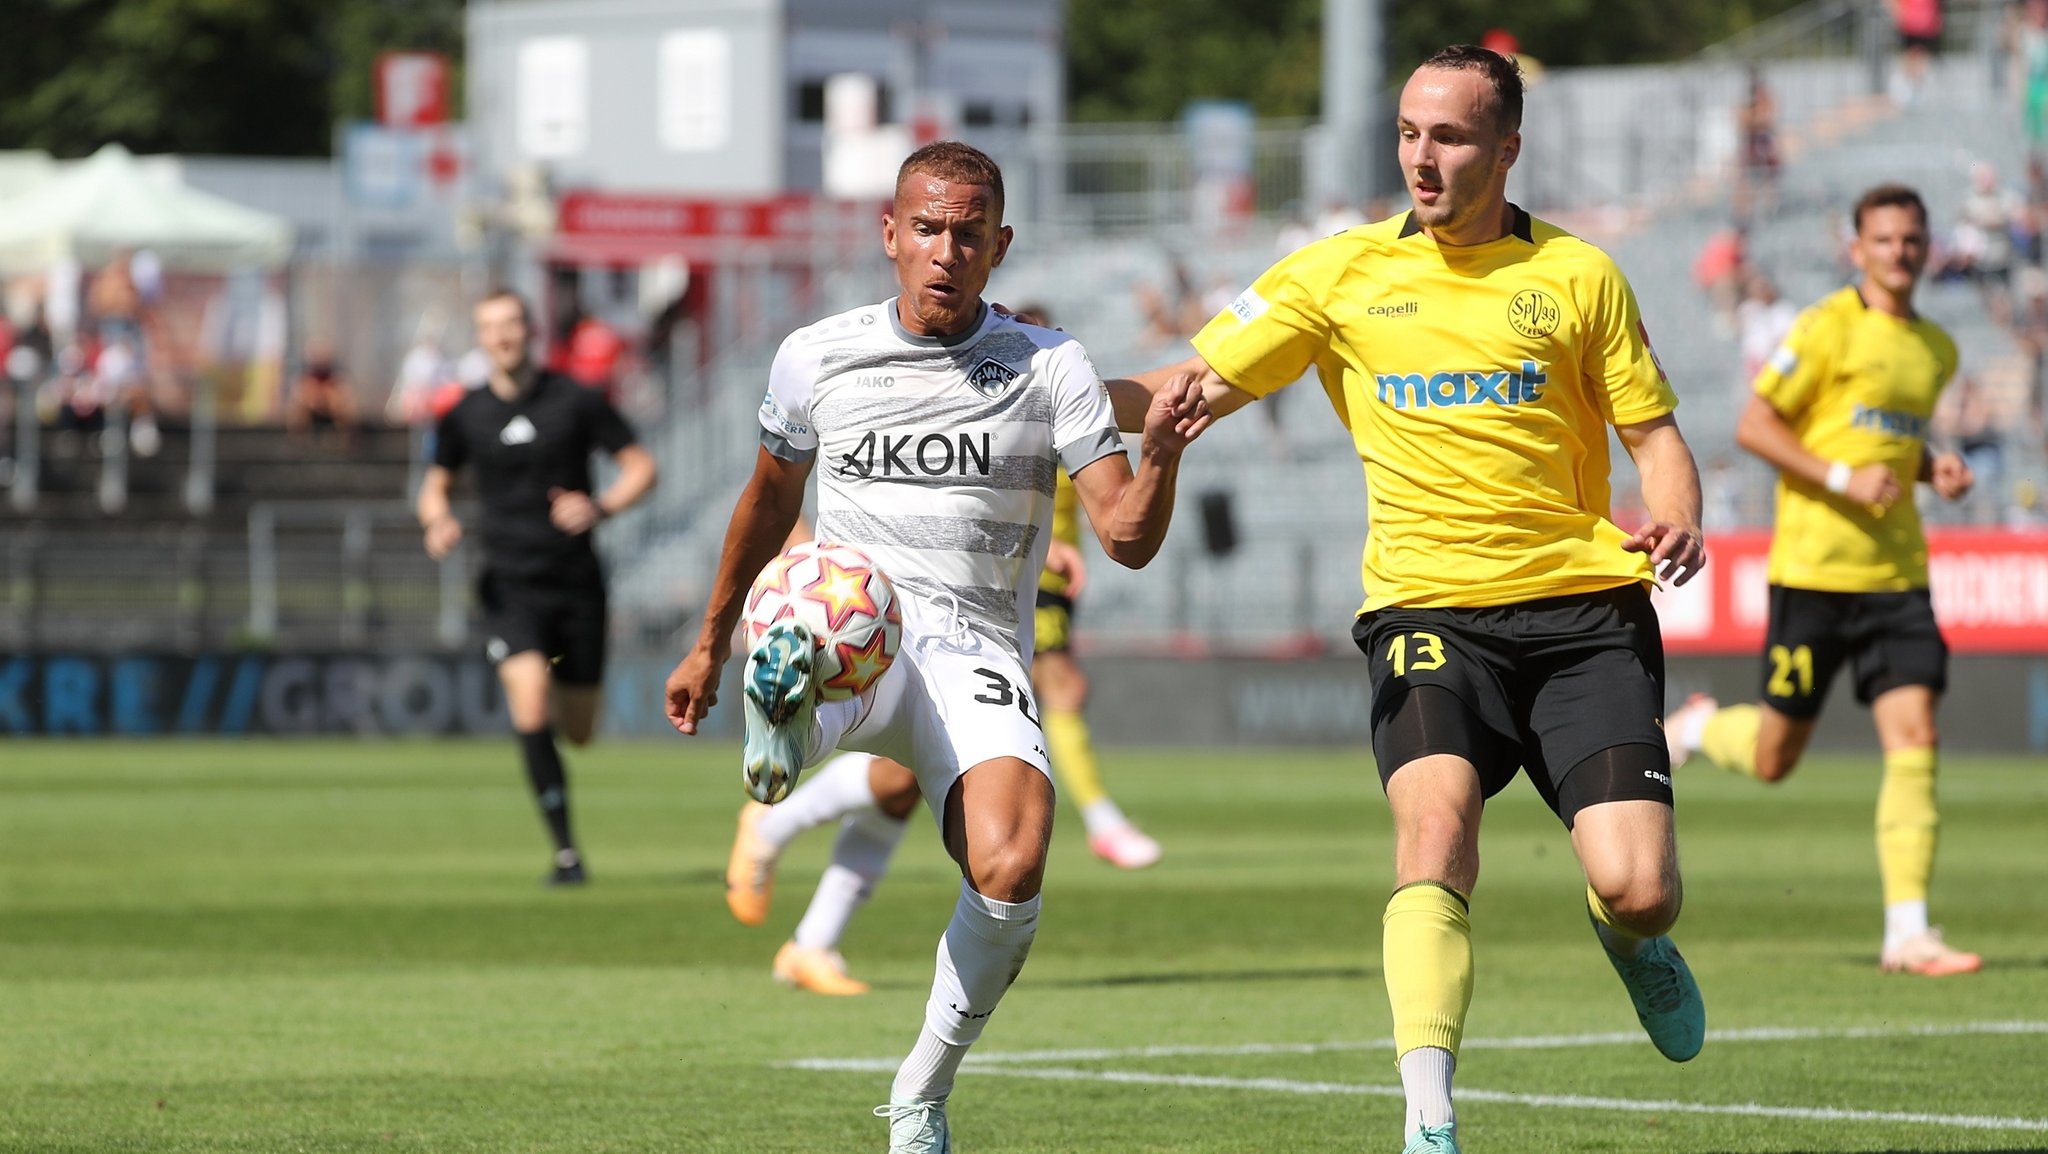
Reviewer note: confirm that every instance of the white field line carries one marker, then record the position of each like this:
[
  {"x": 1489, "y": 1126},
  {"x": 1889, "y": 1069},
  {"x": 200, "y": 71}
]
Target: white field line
[
  {"x": 1017, "y": 1064},
  {"x": 1557, "y": 1101},
  {"x": 1532, "y": 1042}
]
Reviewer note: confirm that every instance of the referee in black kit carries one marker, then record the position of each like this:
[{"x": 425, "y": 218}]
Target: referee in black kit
[{"x": 529, "y": 435}]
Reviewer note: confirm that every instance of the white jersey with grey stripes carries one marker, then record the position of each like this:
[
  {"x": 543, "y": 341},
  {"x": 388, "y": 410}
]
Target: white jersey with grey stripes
[{"x": 936, "y": 455}]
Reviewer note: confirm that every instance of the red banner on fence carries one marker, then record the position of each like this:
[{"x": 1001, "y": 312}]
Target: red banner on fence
[{"x": 1990, "y": 593}]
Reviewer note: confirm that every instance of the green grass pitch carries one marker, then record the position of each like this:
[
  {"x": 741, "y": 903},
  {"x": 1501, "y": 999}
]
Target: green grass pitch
[{"x": 272, "y": 947}]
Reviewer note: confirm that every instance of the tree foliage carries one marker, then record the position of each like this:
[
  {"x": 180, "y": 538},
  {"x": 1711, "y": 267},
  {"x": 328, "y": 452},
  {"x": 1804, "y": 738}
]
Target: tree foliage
[
  {"x": 258, "y": 77},
  {"x": 1145, "y": 59}
]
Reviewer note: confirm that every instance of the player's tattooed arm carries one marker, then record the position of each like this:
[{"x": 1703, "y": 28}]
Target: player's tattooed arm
[
  {"x": 768, "y": 509},
  {"x": 1671, "y": 493},
  {"x": 1131, "y": 396}
]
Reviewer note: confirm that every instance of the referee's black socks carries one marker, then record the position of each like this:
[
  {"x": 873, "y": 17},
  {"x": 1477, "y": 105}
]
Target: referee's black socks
[{"x": 550, "y": 784}]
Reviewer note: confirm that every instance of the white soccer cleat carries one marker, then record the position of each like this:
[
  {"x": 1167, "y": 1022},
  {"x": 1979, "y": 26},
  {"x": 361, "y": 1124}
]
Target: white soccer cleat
[
  {"x": 1682, "y": 728},
  {"x": 1125, "y": 846},
  {"x": 917, "y": 1127},
  {"x": 1927, "y": 955},
  {"x": 779, "y": 700}
]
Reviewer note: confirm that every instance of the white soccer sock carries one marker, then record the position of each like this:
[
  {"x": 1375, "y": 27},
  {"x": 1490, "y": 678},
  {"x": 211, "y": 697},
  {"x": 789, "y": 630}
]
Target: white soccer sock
[
  {"x": 1426, "y": 1077},
  {"x": 860, "y": 858},
  {"x": 927, "y": 1074},
  {"x": 980, "y": 954},
  {"x": 1904, "y": 921},
  {"x": 1102, "y": 815},
  {"x": 834, "y": 790}
]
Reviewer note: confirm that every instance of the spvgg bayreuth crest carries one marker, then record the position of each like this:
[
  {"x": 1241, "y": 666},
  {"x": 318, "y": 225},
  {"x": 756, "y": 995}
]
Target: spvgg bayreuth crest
[
  {"x": 1533, "y": 313},
  {"x": 991, "y": 377}
]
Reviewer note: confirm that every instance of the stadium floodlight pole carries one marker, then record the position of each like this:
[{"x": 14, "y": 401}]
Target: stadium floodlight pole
[{"x": 1354, "y": 73}]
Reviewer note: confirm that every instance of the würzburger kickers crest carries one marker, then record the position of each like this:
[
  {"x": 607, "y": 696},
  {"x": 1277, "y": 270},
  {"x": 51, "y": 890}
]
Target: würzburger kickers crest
[{"x": 991, "y": 377}]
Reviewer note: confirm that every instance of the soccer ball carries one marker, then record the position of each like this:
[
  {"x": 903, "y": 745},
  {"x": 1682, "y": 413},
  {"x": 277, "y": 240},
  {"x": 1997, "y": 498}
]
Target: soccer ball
[{"x": 844, "y": 600}]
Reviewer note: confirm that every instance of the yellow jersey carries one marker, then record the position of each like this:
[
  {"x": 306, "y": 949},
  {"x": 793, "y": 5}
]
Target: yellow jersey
[
  {"x": 1859, "y": 386},
  {"x": 1477, "y": 383},
  {"x": 1066, "y": 526}
]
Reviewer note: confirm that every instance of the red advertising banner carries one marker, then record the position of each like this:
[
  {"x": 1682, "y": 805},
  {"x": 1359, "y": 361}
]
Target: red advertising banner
[
  {"x": 412, "y": 89},
  {"x": 1990, "y": 594},
  {"x": 659, "y": 218}
]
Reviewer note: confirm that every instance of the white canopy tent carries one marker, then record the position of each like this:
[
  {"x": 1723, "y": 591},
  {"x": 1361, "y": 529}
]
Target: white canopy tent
[{"x": 107, "y": 203}]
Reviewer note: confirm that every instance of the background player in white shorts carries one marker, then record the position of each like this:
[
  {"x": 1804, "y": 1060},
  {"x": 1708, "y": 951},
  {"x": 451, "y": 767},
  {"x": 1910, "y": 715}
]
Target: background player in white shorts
[{"x": 939, "y": 424}]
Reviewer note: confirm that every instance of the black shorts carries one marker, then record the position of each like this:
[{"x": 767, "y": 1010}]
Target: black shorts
[
  {"x": 1551, "y": 686},
  {"x": 1054, "y": 626},
  {"x": 1891, "y": 637},
  {"x": 1928, "y": 44},
  {"x": 564, "y": 623}
]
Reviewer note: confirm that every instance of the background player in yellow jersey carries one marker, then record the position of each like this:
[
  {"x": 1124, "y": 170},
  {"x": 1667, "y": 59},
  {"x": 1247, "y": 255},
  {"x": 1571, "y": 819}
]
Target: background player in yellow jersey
[
  {"x": 1841, "y": 411},
  {"x": 1478, "y": 357}
]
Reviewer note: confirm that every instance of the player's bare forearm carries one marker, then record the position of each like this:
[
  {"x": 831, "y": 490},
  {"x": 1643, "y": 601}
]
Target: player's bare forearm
[
  {"x": 1131, "y": 512},
  {"x": 1131, "y": 396},
  {"x": 767, "y": 510},
  {"x": 1671, "y": 495},
  {"x": 432, "y": 503},
  {"x": 1764, "y": 432},
  {"x": 637, "y": 478}
]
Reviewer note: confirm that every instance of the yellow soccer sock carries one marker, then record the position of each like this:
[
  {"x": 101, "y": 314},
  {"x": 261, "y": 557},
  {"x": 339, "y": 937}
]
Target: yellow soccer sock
[
  {"x": 1729, "y": 739},
  {"x": 1618, "y": 938},
  {"x": 1906, "y": 821},
  {"x": 1073, "y": 757},
  {"x": 1426, "y": 952}
]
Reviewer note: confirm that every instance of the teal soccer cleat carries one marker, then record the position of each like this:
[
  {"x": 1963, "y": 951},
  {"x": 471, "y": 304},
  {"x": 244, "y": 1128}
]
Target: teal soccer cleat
[
  {"x": 1433, "y": 1140},
  {"x": 917, "y": 1127},
  {"x": 779, "y": 711},
  {"x": 1667, "y": 999}
]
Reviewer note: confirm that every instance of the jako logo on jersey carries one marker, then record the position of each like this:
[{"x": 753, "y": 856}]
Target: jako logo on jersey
[
  {"x": 518, "y": 431},
  {"x": 1442, "y": 390},
  {"x": 909, "y": 455},
  {"x": 991, "y": 377},
  {"x": 1889, "y": 421}
]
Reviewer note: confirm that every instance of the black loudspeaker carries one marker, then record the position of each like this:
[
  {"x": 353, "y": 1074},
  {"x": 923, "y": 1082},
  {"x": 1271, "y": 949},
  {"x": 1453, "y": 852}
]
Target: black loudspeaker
[{"x": 1219, "y": 523}]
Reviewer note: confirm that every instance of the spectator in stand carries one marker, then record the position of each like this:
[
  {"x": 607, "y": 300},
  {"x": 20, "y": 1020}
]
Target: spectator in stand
[
  {"x": 2033, "y": 58},
  {"x": 1756, "y": 178},
  {"x": 1719, "y": 271},
  {"x": 595, "y": 350},
  {"x": 1967, "y": 419},
  {"x": 114, "y": 302},
  {"x": 1762, "y": 320},
  {"x": 119, "y": 385},
  {"x": 1983, "y": 240},
  {"x": 421, "y": 373},
  {"x": 1919, "y": 26},
  {"x": 321, "y": 402}
]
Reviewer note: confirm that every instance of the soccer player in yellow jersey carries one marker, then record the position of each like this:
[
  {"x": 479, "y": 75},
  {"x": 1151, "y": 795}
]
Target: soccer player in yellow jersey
[
  {"x": 1478, "y": 357},
  {"x": 1841, "y": 411}
]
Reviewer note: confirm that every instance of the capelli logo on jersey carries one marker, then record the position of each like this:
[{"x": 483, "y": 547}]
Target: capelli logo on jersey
[
  {"x": 1404, "y": 309},
  {"x": 1445, "y": 390}
]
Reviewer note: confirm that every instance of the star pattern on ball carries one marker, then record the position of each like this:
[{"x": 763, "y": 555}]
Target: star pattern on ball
[
  {"x": 843, "y": 592},
  {"x": 861, "y": 665},
  {"x": 776, "y": 575}
]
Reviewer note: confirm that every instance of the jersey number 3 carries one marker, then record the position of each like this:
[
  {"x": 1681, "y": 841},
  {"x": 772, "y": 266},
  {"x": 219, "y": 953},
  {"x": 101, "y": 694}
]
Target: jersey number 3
[
  {"x": 1000, "y": 692},
  {"x": 1784, "y": 663},
  {"x": 1429, "y": 653}
]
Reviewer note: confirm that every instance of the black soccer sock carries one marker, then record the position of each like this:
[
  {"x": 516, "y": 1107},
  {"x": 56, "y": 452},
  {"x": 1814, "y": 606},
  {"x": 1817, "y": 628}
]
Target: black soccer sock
[{"x": 550, "y": 783}]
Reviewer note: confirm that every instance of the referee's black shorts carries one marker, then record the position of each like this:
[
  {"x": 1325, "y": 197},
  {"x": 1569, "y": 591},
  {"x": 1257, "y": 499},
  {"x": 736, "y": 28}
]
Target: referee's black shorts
[
  {"x": 564, "y": 622},
  {"x": 1891, "y": 638},
  {"x": 1570, "y": 688}
]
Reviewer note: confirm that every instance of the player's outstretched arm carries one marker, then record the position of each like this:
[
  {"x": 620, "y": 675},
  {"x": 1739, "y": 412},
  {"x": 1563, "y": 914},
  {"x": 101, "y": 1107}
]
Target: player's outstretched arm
[
  {"x": 1130, "y": 511},
  {"x": 1132, "y": 396},
  {"x": 1764, "y": 431},
  {"x": 768, "y": 509},
  {"x": 1671, "y": 493},
  {"x": 437, "y": 521}
]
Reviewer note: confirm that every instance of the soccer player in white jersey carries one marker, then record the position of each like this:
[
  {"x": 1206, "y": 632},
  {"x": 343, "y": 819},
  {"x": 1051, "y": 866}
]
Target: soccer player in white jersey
[{"x": 938, "y": 424}]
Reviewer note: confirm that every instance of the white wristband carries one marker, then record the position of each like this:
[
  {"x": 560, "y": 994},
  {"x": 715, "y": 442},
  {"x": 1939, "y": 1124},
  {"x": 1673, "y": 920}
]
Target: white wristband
[{"x": 1838, "y": 477}]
